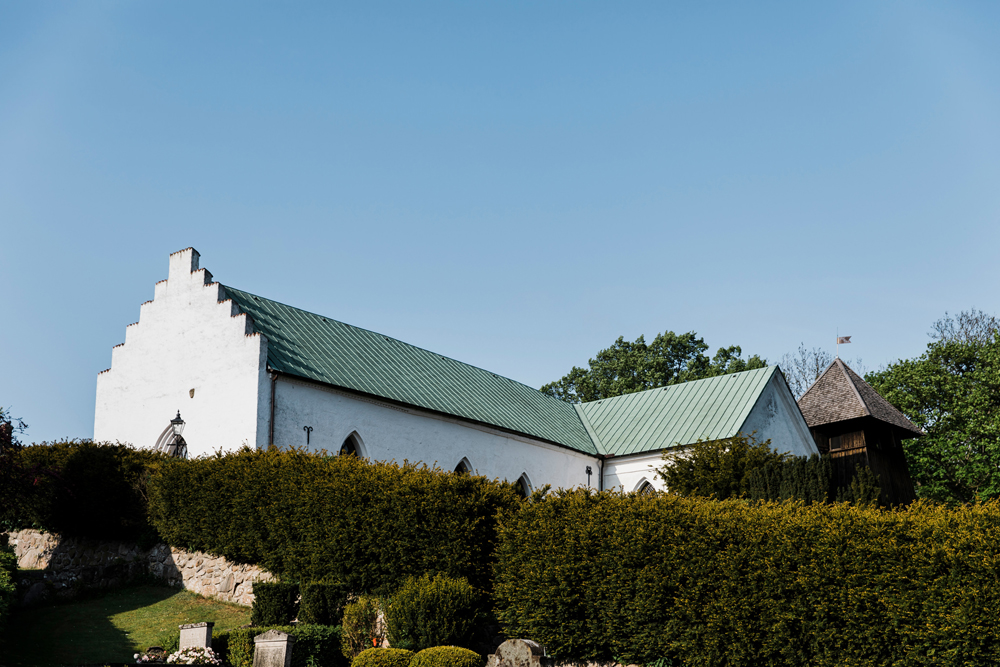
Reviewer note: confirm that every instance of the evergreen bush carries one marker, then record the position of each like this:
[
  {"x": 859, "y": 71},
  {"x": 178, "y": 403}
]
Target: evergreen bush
[
  {"x": 383, "y": 657},
  {"x": 315, "y": 645},
  {"x": 8, "y": 578},
  {"x": 447, "y": 656},
  {"x": 274, "y": 603},
  {"x": 310, "y": 517},
  {"x": 322, "y": 602},
  {"x": 360, "y": 626},
  {"x": 432, "y": 611},
  {"x": 85, "y": 489},
  {"x": 705, "y": 582}
]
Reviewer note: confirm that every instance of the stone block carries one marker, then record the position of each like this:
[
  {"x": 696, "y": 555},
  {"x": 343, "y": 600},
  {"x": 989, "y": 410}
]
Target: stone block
[
  {"x": 519, "y": 653},
  {"x": 273, "y": 649},
  {"x": 196, "y": 634}
]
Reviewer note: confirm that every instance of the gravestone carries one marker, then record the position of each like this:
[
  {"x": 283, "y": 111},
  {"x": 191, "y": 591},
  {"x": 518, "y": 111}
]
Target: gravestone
[
  {"x": 196, "y": 634},
  {"x": 518, "y": 653},
  {"x": 273, "y": 649}
]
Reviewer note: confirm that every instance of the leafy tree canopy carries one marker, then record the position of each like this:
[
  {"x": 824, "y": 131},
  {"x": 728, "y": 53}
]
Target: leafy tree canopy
[
  {"x": 951, "y": 391},
  {"x": 630, "y": 366}
]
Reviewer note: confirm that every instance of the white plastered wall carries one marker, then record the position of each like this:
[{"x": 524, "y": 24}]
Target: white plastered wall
[
  {"x": 777, "y": 418},
  {"x": 186, "y": 340},
  {"x": 389, "y": 432},
  {"x": 774, "y": 417}
]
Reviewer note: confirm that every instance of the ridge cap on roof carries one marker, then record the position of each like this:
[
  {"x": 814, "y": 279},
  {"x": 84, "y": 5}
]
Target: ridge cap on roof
[
  {"x": 854, "y": 388},
  {"x": 679, "y": 384},
  {"x": 591, "y": 431},
  {"x": 393, "y": 339}
]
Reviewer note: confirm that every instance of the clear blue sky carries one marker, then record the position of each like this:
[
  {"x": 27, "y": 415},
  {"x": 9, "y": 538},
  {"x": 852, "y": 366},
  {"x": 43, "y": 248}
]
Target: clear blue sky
[{"x": 511, "y": 184}]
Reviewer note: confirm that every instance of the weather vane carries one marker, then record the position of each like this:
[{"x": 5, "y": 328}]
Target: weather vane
[{"x": 841, "y": 340}]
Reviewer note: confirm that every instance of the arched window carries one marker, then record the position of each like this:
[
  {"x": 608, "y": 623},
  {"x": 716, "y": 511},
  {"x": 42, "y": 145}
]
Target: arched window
[
  {"x": 524, "y": 486},
  {"x": 463, "y": 467},
  {"x": 646, "y": 489},
  {"x": 353, "y": 445}
]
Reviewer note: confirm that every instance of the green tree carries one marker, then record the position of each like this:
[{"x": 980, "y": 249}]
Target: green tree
[
  {"x": 630, "y": 366},
  {"x": 12, "y": 473},
  {"x": 951, "y": 391},
  {"x": 720, "y": 468}
]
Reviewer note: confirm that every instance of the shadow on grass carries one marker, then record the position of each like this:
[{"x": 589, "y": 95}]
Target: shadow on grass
[{"x": 76, "y": 632}]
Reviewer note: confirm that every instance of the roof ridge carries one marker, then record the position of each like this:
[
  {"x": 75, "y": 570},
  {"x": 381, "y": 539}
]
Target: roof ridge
[
  {"x": 854, "y": 388},
  {"x": 393, "y": 339},
  {"x": 678, "y": 384},
  {"x": 601, "y": 449}
]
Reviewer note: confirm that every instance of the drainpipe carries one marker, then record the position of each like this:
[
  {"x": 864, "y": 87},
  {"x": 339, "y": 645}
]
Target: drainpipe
[
  {"x": 270, "y": 426},
  {"x": 601, "y": 458}
]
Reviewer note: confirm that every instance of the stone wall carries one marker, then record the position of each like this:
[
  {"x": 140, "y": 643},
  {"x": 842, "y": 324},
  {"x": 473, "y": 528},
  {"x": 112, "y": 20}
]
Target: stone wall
[{"x": 73, "y": 564}]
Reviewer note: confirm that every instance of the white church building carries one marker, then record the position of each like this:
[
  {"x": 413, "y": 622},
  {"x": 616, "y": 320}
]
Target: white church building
[{"x": 244, "y": 370}]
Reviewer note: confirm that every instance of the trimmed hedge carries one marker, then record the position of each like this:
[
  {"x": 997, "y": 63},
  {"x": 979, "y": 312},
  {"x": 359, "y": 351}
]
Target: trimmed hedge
[
  {"x": 8, "y": 579},
  {"x": 320, "y": 643},
  {"x": 323, "y": 602},
  {"x": 274, "y": 603},
  {"x": 86, "y": 489},
  {"x": 704, "y": 582},
  {"x": 310, "y": 517},
  {"x": 432, "y": 611},
  {"x": 447, "y": 656},
  {"x": 383, "y": 657}
]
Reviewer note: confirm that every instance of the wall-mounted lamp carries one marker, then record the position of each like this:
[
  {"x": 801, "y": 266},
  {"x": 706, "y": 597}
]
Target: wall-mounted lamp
[
  {"x": 589, "y": 473},
  {"x": 180, "y": 447}
]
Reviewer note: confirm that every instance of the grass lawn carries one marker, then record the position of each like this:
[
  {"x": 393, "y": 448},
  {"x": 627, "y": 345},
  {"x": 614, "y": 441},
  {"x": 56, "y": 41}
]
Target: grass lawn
[{"x": 110, "y": 628}]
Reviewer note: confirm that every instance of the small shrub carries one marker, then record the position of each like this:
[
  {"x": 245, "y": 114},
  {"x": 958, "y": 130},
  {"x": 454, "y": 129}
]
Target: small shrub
[
  {"x": 432, "y": 611},
  {"x": 383, "y": 657},
  {"x": 447, "y": 656},
  {"x": 322, "y": 602},
  {"x": 359, "y": 627},
  {"x": 274, "y": 603},
  {"x": 315, "y": 645}
]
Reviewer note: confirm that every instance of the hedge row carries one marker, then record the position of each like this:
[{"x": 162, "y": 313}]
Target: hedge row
[
  {"x": 82, "y": 488},
  {"x": 311, "y": 518},
  {"x": 316, "y": 603},
  {"x": 703, "y": 582},
  {"x": 315, "y": 645},
  {"x": 8, "y": 579}
]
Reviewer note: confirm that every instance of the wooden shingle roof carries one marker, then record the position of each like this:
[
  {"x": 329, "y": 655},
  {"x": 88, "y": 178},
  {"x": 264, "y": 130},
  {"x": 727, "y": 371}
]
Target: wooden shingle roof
[{"x": 840, "y": 394}]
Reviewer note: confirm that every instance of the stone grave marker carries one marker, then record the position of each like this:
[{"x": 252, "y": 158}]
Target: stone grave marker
[
  {"x": 518, "y": 653},
  {"x": 196, "y": 634},
  {"x": 273, "y": 649}
]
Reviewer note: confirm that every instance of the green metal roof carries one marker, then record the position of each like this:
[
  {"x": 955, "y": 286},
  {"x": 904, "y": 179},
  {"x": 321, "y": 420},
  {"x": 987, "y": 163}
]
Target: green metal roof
[
  {"x": 322, "y": 349},
  {"x": 680, "y": 414}
]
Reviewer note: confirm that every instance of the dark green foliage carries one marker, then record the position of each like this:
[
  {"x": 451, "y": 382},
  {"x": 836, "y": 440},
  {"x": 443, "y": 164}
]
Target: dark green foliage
[
  {"x": 952, "y": 392},
  {"x": 703, "y": 582},
  {"x": 447, "y": 656},
  {"x": 8, "y": 578},
  {"x": 718, "y": 468},
  {"x": 432, "y": 611},
  {"x": 13, "y": 477},
  {"x": 310, "y": 517},
  {"x": 627, "y": 367},
  {"x": 864, "y": 488},
  {"x": 86, "y": 489},
  {"x": 315, "y": 645},
  {"x": 793, "y": 477},
  {"x": 742, "y": 467},
  {"x": 360, "y": 627},
  {"x": 383, "y": 657},
  {"x": 274, "y": 603},
  {"x": 323, "y": 602}
]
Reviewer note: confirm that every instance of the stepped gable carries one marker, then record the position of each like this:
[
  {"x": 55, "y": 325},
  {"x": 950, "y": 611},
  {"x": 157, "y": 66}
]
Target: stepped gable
[{"x": 841, "y": 394}]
